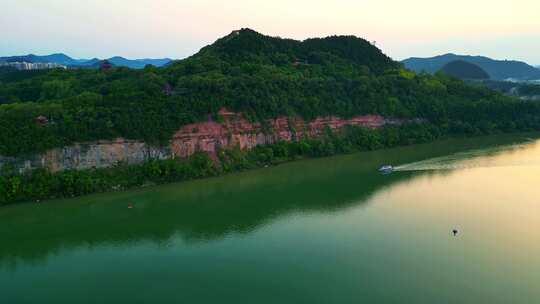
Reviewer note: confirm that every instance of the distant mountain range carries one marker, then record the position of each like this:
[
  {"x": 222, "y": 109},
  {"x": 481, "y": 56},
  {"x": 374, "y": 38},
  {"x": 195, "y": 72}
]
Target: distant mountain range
[
  {"x": 497, "y": 69},
  {"x": 63, "y": 59}
]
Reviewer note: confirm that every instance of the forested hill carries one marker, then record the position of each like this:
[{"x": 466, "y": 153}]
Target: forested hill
[
  {"x": 248, "y": 46},
  {"x": 464, "y": 70},
  {"x": 247, "y": 72}
]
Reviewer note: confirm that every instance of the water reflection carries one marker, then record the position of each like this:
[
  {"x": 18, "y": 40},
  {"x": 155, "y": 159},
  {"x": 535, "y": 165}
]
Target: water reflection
[
  {"x": 207, "y": 210},
  {"x": 498, "y": 156}
]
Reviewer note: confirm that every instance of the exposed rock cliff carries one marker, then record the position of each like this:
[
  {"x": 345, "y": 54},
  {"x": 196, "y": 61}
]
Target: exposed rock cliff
[
  {"x": 235, "y": 130},
  {"x": 232, "y": 130},
  {"x": 99, "y": 154}
]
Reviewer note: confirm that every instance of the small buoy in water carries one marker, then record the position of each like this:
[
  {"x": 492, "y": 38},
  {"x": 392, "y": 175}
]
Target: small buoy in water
[{"x": 455, "y": 232}]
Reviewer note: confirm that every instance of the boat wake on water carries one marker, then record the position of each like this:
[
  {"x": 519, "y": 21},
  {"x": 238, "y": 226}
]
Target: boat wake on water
[{"x": 481, "y": 158}]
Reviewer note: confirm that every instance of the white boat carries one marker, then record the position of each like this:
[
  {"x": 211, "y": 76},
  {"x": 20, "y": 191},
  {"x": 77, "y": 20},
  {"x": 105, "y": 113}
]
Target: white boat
[{"x": 386, "y": 169}]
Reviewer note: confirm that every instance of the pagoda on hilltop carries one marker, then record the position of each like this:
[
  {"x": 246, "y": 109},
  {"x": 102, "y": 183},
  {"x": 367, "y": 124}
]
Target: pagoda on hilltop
[{"x": 105, "y": 65}]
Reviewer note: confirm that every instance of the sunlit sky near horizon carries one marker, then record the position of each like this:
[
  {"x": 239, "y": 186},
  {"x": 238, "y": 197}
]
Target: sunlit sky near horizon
[{"x": 179, "y": 28}]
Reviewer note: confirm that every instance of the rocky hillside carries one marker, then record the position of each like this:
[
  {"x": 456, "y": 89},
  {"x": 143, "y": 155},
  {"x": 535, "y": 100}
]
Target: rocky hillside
[
  {"x": 261, "y": 77},
  {"x": 232, "y": 131}
]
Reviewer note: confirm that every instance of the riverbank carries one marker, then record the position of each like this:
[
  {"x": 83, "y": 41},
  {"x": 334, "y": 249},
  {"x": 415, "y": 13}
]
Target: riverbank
[
  {"x": 335, "y": 217},
  {"x": 40, "y": 185}
]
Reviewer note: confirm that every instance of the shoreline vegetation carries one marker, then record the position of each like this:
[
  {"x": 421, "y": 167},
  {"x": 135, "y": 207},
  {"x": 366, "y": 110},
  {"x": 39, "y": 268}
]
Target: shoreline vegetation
[{"x": 41, "y": 184}]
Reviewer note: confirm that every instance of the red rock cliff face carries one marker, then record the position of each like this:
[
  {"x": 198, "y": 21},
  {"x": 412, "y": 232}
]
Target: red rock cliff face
[
  {"x": 207, "y": 137},
  {"x": 235, "y": 130}
]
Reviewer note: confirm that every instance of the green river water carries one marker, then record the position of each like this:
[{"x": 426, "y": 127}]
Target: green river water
[{"x": 328, "y": 230}]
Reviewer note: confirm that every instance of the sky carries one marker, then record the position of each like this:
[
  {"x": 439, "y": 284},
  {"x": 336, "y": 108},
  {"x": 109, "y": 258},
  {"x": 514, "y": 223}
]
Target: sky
[{"x": 179, "y": 28}]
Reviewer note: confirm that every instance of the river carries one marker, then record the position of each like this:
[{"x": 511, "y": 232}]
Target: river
[{"x": 328, "y": 230}]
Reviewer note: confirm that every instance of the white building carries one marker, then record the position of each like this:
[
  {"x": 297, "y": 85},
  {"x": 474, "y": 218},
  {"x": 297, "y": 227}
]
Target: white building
[{"x": 26, "y": 66}]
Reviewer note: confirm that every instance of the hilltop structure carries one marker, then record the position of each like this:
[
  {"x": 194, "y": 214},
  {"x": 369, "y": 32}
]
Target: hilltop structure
[{"x": 105, "y": 65}]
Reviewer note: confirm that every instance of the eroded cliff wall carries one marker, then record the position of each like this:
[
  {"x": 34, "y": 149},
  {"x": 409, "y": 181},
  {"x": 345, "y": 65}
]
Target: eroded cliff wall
[
  {"x": 235, "y": 130},
  {"x": 232, "y": 130},
  {"x": 100, "y": 154}
]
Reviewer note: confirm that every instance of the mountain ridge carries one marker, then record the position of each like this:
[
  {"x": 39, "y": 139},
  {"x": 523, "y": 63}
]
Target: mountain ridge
[
  {"x": 66, "y": 60},
  {"x": 497, "y": 69}
]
